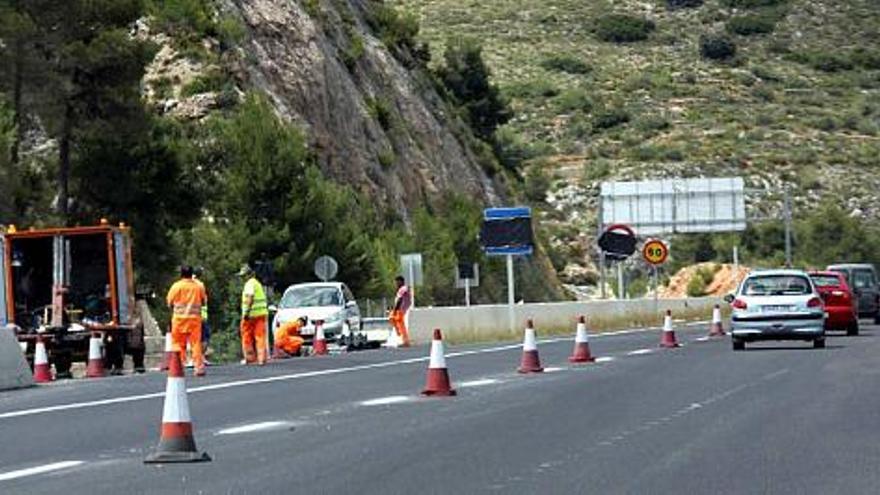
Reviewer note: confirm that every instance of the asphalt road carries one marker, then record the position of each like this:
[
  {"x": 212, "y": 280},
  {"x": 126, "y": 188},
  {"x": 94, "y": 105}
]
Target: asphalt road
[{"x": 700, "y": 419}]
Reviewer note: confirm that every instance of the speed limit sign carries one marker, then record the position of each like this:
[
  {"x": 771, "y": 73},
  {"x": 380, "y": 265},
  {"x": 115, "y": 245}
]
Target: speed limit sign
[{"x": 655, "y": 252}]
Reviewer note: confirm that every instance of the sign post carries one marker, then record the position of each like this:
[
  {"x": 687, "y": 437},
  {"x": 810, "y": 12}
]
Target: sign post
[
  {"x": 655, "y": 252},
  {"x": 508, "y": 232},
  {"x": 617, "y": 242},
  {"x": 467, "y": 275}
]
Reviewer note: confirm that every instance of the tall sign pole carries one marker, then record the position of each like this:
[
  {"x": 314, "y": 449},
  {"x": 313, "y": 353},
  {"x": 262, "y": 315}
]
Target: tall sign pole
[
  {"x": 511, "y": 299},
  {"x": 655, "y": 252}
]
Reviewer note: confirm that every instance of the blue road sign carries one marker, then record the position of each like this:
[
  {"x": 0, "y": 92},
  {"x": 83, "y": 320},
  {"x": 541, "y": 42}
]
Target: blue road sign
[{"x": 507, "y": 231}]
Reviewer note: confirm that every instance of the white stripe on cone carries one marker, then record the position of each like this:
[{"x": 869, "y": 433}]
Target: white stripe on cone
[
  {"x": 319, "y": 333},
  {"x": 169, "y": 342},
  {"x": 176, "y": 407},
  {"x": 95, "y": 349},
  {"x": 40, "y": 356},
  {"x": 581, "y": 336},
  {"x": 438, "y": 358},
  {"x": 667, "y": 324},
  {"x": 716, "y": 315},
  {"x": 529, "y": 343}
]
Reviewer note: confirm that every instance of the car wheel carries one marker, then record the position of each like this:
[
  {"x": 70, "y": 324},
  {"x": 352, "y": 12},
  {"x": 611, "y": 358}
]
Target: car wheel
[
  {"x": 739, "y": 345},
  {"x": 853, "y": 329},
  {"x": 819, "y": 344}
]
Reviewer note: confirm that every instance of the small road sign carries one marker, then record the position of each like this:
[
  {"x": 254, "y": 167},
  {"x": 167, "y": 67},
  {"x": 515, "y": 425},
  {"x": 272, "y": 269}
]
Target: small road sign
[{"x": 655, "y": 252}]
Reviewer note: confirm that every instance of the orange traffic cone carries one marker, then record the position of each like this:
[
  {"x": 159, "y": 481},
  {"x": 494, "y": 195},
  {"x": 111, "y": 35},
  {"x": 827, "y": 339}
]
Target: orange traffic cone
[
  {"x": 42, "y": 371},
  {"x": 717, "y": 328},
  {"x": 581, "y": 352},
  {"x": 176, "y": 443},
  {"x": 95, "y": 367},
  {"x": 319, "y": 347},
  {"x": 438, "y": 376},
  {"x": 169, "y": 352},
  {"x": 668, "y": 338},
  {"x": 530, "y": 363}
]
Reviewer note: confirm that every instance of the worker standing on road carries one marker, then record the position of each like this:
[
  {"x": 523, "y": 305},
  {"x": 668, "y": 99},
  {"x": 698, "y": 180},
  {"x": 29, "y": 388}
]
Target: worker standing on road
[
  {"x": 198, "y": 272},
  {"x": 287, "y": 337},
  {"x": 185, "y": 299},
  {"x": 402, "y": 302},
  {"x": 254, "y": 313}
]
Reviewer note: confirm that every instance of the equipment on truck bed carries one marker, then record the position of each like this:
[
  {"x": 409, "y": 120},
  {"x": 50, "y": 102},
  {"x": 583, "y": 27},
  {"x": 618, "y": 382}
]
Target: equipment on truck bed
[{"x": 64, "y": 284}]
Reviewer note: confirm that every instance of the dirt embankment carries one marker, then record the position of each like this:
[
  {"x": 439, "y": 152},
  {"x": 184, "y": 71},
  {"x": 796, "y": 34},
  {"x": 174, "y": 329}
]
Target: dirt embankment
[{"x": 725, "y": 279}]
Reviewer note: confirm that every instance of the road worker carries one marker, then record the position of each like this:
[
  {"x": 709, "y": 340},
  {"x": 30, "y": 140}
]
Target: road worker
[
  {"x": 287, "y": 336},
  {"x": 185, "y": 299},
  {"x": 254, "y": 313},
  {"x": 198, "y": 273},
  {"x": 397, "y": 316}
]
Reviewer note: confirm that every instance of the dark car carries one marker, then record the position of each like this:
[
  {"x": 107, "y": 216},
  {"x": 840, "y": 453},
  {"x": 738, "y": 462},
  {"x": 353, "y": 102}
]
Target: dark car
[
  {"x": 862, "y": 277},
  {"x": 841, "y": 305}
]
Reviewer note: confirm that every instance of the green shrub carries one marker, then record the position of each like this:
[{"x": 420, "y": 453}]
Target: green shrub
[
  {"x": 717, "y": 47},
  {"x": 575, "y": 100},
  {"x": 597, "y": 170},
  {"x": 380, "y": 109},
  {"x": 830, "y": 62},
  {"x": 386, "y": 158},
  {"x": 751, "y": 4},
  {"x": 565, "y": 63},
  {"x": 684, "y": 4},
  {"x": 748, "y": 25},
  {"x": 701, "y": 280},
  {"x": 209, "y": 82},
  {"x": 395, "y": 29},
  {"x": 180, "y": 16},
  {"x": 230, "y": 32},
  {"x": 622, "y": 28},
  {"x": 609, "y": 118},
  {"x": 867, "y": 59},
  {"x": 354, "y": 52},
  {"x": 536, "y": 185}
]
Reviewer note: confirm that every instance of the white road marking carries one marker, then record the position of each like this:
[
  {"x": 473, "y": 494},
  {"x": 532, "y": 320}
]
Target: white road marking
[
  {"x": 702, "y": 339},
  {"x": 266, "y": 425},
  {"x": 604, "y": 359},
  {"x": 552, "y": 369},
  {"x": 478, "y": 383},
  {"x": 639, "y": 352},
  {"x": 297, "y": 376},
  {"x": 384, "y": 401},
  {"x": 46, "y": 468}
]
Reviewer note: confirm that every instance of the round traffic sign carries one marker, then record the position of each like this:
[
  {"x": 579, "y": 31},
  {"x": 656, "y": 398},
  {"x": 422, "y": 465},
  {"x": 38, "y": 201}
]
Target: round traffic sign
[
  {"x": 618, "y": 242},
  {"x": 326, "y": 268},
  {"x": 655, "y": 252}
]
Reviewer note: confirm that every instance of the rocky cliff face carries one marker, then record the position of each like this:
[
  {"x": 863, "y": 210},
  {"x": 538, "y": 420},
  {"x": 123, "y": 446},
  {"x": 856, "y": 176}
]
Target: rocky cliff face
[{"x": 374, "y": 123}]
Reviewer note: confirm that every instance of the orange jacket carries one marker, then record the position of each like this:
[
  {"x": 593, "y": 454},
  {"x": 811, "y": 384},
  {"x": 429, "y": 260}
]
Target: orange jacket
[{"x": 186, "y": 298}]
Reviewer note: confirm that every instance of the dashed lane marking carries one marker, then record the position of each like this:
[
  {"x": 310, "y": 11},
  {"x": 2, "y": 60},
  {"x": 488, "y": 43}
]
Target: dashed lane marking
[
  {"x": 604, "y": 359},
  {"x": 639, "y": 352},
  {"x": 478, "y": 383},
  {"x": 266, "y": 425},
  {"x": 296, "y": 376},
  {"x": 384, "y": 401},
  {"x": 46, "y": 468}
]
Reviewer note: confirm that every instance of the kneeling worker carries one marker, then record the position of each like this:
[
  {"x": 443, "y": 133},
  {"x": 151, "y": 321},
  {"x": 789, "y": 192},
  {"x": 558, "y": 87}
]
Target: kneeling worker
[{"x": 287, "y": 336}]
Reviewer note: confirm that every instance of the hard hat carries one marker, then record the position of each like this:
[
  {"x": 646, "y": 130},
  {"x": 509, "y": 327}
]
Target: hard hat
[{"x": 245, "y": 270}]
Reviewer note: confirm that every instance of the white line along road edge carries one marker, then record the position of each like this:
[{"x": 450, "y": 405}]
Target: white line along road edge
[
  {"x": 295, "y": 376},
  {"x": 46, "y": 468}
]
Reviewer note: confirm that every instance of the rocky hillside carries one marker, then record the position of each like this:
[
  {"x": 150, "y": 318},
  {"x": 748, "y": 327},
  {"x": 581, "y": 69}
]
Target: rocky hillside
[
  {"x": 782, "y": 92},
  {"x": 368, "y": 107}
]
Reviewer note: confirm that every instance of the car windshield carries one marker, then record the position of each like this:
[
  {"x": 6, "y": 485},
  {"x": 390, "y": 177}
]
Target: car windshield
[
  {"x": 777, "y": 285},
  {"x": 304, "y": 297},
  {"x": 825, "y": 280},
  {"x": 863, "y": 279}
]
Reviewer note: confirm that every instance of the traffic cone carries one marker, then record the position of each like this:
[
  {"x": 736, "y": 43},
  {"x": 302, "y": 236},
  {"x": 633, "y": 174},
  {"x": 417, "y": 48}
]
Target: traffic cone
[
  {"x": 95, "y": 367},
  {"x": 169, "y": 352},
  {"x": 319, "y": 347},
  {"x": 438, "y": 376},
  {"x": 668, "y": 338},
  {"x": 531, "y": 363},
  {"x": 581, "y": 352},
  {"x": 176, "y": 442},
  {"x": 717, "y": 328},
  {"x": 42, "y": 371}
]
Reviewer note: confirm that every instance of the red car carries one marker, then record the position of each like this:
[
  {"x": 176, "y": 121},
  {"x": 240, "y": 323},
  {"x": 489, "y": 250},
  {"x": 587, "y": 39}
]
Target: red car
[{"x": 841, "y": 307}]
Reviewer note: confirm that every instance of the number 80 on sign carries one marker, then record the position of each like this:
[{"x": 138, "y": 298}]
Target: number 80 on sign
[{"x": 655, "y": 252}]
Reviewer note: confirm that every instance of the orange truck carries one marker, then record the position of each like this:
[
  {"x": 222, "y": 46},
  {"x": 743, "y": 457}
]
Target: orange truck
[{"x": 65, "y": 284}]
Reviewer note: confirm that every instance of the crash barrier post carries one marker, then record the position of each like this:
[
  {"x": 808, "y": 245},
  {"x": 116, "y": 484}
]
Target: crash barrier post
[{"x": 14, "y": 370}]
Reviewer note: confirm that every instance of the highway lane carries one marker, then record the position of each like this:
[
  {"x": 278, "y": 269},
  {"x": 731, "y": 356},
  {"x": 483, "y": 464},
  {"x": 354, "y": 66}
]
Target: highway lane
[{"x": 777, "y": 419}]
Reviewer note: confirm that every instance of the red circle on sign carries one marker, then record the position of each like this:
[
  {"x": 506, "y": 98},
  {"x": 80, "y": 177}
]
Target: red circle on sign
[{"x": 655, "y": 252}]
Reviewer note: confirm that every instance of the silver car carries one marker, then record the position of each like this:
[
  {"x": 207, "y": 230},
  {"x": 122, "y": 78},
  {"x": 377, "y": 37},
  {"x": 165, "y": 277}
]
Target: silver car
[{"x": 777, "y": 305}]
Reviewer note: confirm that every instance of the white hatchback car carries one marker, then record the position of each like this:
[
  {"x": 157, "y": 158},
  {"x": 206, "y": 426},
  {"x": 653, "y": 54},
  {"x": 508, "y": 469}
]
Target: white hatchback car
[
  {"x": 777, "y": 305},
  {"x": 331, "y": 302}
]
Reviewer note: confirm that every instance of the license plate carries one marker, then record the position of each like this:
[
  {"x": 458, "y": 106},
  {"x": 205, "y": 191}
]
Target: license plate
[
  {"x": 307, "y": 331},
  {"x": 777, "y": 309}
]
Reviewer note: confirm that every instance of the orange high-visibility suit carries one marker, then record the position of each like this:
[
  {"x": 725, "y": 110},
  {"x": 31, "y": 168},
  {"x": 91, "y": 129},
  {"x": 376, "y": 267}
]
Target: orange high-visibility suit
[
  {"x": 397, "y": 316},
  {"x": 185, "y": 298},
  {"x": 287, "y": 337}
]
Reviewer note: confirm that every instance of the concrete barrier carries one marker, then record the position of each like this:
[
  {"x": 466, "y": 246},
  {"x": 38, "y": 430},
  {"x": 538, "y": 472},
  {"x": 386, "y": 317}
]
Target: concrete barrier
[
  {"x": 488, "y": 321},
  {"x": 14, "y": 370}
]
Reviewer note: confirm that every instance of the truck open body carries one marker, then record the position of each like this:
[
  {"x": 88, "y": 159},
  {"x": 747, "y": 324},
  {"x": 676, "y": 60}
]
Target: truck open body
[{"x": 65, "y": 284}]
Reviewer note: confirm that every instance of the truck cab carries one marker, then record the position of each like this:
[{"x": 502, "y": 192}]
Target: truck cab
[{"x": 62, "y": 285}]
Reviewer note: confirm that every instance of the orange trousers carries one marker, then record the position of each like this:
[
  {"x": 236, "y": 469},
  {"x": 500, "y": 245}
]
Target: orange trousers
[
  {"x": 291, "y": 344},
  {"x": 189, "y": 331},
  {"x": 399, "y": 323},
  {"x": 253, "y": 331}
]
